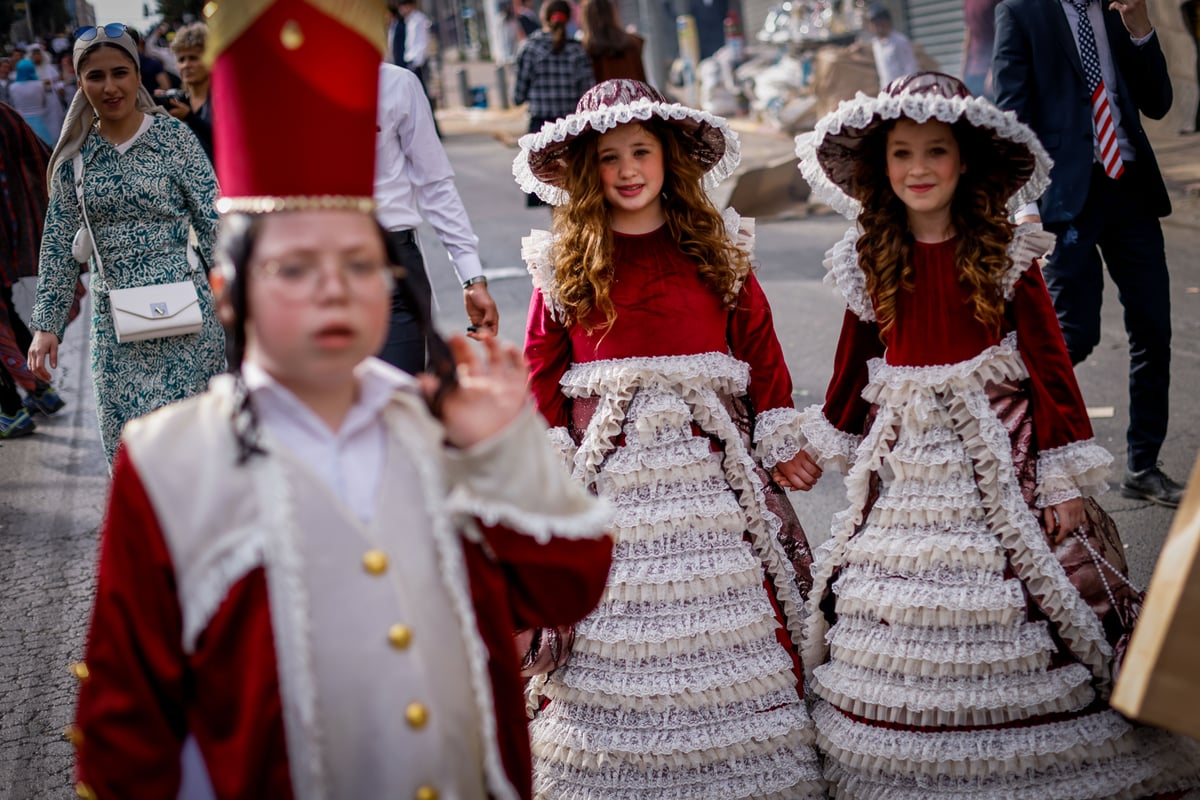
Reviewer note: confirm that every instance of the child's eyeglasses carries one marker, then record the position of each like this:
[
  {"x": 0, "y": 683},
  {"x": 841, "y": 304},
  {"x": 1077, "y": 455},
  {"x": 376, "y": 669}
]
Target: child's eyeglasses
[
  {"x": 299, "y": 280},
  {"x": 113, "y": 30}
]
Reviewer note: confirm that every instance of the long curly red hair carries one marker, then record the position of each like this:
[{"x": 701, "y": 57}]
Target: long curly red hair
[
  {"x": 978, "y": 213},
  {"x": 583, "y": 265}
]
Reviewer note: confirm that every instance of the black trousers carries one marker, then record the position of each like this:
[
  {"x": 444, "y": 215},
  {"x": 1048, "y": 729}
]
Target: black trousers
[
  {"x": 10, "y": 399},
  {"x": 406, "y": 346},
  {"x": 1114, "y": 223}
]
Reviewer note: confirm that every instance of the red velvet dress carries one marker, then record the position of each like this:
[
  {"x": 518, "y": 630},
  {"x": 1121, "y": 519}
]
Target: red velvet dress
[
  {"x": 951, "y": 654},
  {"x": 680, "y": 685}
]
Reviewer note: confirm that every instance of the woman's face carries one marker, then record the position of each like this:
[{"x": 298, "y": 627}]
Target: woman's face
[
  {"x": 110, "y": 82},
  {"x": 318, "y": 295},
  {"x": 631, "y": 174},
  {"x": 923, "y": 166},
  {"x": 192, "y": 69}
]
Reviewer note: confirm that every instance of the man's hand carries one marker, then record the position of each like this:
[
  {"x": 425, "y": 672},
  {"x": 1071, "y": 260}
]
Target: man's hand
[
  {"x": 481, "y": 310},
  {"x": 1135, "y": 15},
  {"x": 802, "y": 472}
]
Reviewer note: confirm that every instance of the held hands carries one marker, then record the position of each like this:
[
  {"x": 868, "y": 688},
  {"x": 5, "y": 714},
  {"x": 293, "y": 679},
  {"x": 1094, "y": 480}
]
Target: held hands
[
  {"x": 1058, "y": 521},
  {"x": 481, "y": 310},
  {"x": 490, "y": 393},
  {"x": 43, "y": 354},
  {"x": 802, "y": 472}
]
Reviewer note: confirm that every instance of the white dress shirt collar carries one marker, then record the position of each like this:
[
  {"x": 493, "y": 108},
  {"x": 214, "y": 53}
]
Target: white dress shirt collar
[{"x": 349, "y": 460}]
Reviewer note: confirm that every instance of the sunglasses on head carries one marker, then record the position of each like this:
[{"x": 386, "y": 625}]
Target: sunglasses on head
[{"x": 113, "y": 30}]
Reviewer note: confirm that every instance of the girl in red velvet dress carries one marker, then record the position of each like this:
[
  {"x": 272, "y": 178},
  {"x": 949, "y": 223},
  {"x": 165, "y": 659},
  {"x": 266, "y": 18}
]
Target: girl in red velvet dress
[
  {"x": 951, "y": 654},
  {"x": 653, "y": 357}
]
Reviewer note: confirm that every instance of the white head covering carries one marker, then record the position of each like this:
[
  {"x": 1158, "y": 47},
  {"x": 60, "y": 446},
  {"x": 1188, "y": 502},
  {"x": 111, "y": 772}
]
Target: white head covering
[{"x": 80, "y": 114}]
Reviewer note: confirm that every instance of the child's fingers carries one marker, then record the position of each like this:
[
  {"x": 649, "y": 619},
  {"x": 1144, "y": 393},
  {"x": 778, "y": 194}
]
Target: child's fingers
[{"x": 464, "y": 355}]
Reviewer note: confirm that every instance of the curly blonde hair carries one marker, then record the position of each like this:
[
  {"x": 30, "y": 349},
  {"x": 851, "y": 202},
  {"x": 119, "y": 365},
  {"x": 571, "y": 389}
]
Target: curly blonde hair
[
  {"x": 583, "y": 266},
  {"x": 190, "y": 37},
  {"x": 977, "y": 211}
]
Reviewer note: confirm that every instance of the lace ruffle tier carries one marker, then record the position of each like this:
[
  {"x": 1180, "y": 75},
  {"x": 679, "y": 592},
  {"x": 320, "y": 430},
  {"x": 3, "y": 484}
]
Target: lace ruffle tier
[
  {"x": 932, "y": 585},
  {"x": 677, "y": 686}
]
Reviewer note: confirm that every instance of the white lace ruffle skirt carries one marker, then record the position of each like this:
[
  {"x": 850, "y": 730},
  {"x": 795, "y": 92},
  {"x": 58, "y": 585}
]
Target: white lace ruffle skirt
[
  {"x": 677, "y": 687},
  {"x": 960, "y": 662}
]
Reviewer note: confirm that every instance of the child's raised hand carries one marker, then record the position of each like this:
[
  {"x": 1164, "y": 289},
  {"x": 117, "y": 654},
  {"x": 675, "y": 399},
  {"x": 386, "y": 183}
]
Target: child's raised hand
[
  {"x": 802, "y": 472},
  {"x": 1059, "y": 520},
  {"x": 490, "y": 394}
]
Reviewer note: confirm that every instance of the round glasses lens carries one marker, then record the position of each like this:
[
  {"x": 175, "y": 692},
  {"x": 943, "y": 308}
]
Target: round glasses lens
[{"x": 115, "y": 30}]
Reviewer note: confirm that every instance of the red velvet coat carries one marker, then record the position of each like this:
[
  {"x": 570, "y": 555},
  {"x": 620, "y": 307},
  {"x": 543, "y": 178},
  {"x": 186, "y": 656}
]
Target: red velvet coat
[{"x": 143, "y": 695}]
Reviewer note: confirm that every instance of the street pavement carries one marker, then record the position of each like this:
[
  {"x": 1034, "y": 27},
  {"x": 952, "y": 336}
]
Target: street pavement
[{"x": 54, "y": 482}]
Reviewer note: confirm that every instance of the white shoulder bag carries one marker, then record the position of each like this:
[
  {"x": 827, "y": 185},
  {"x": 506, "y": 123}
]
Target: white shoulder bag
[{"x": 141, "y": 312}]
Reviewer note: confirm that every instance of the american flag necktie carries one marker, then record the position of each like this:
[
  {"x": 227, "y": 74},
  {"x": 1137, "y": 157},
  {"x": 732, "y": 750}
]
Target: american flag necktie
[{"x": 1102, "y": 123}]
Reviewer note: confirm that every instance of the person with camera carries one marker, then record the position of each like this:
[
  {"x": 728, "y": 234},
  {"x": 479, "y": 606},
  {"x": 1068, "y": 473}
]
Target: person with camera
[{"x": 192, "y": 103}]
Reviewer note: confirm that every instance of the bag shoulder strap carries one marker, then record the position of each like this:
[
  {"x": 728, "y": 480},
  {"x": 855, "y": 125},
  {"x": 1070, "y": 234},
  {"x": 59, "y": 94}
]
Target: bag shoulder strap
[{"x": 77, "y": 163}]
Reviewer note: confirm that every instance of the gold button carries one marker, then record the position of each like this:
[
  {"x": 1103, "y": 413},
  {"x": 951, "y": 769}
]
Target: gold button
[
  {"x": 291, "y": 36},
  {"x": 427, "y": 793},
  {"x": 399, "y": 636},
  {"x": 80, "y": 671},
  {"x": 417, "y": 715},
  {"x": 84, "y": 792},
  {"x": 73, "y": 735},
  {"x": 209, "y": 10},
  {"x": 375, "y": 562}
]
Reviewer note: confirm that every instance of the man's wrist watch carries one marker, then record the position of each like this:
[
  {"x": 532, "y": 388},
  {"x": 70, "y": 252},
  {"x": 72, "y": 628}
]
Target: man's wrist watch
[{"x": 469, "y": 282}]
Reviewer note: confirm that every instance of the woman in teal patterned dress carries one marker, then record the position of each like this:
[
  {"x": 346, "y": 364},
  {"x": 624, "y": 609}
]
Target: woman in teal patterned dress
[{"x": 146, "y": 181}]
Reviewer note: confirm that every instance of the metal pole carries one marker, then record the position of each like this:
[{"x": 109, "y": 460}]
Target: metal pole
[
  {"x": 502, "y": 85},
  {"x": 464, "y": 87}
]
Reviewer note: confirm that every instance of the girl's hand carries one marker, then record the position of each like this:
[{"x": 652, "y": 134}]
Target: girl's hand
[
  {"x": 43, "y": 354},
  {"x": 490, "y": 394},
  {"x": 802, "y": 472},
  {"x": 1060, "y": 520}
]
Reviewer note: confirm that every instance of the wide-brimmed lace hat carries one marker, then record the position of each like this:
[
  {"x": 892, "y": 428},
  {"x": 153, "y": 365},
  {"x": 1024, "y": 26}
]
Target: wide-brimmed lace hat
[
  {"x": 828, "y": 154},
  {"x": 541, "y": 165}
]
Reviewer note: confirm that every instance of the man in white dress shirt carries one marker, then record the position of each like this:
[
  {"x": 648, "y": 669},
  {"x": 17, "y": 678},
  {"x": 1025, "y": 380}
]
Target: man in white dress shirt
[
  {"x": 894, "y": 57},
  {"x": 414, "y": 179}
]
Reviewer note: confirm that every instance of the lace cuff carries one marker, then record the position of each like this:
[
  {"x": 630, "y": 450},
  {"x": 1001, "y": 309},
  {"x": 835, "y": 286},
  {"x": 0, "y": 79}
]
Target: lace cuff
[
  {"x": 564, "y": 446},
  {"x": 1071, "y": 471},
  {"x": 828, "y": 445},
  {"x": 514, "y": 479},
  {"x": 777, "y": 436}
]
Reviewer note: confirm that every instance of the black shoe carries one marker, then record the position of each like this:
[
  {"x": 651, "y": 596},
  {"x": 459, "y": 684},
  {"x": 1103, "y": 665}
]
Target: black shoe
[{"x": 1152, "y": 484}]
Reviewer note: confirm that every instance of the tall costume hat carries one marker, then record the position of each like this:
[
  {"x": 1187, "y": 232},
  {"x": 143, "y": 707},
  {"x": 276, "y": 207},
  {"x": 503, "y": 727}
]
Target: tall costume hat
[
  {"x": 541, "y": 165},
  {"x": 828, "y": 154},
  {"x": 289, "y": 133}
]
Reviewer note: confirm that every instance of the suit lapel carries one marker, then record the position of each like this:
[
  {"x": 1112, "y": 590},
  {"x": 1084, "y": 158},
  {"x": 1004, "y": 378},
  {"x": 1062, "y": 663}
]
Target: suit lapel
[{"x": 1062, "y": 32}]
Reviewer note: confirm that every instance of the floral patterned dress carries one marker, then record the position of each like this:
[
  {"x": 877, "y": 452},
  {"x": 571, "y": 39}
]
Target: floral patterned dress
[{"x": 141, "y": 201}]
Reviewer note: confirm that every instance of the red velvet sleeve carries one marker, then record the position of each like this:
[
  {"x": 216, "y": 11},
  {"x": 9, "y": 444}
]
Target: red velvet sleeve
[
  {"x": 556, "y": 583},
  {"x": 752, "y": 339},
  {"x": 1059, "y": 414},
  {"x": 131, "y": 706},
  {"x": 548, "y": 352},
  {"x": 845, "y": 407}
]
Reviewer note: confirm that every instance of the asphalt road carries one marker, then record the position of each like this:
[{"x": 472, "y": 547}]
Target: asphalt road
[{"x": 54, "y": 483}]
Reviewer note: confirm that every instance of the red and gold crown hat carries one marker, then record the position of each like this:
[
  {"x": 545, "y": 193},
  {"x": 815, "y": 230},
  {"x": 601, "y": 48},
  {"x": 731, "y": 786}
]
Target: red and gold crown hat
[{"x": 294, "y": 96}]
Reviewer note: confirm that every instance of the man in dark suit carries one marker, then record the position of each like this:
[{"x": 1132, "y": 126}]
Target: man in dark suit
[{"x": 1079, "y": 73}]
